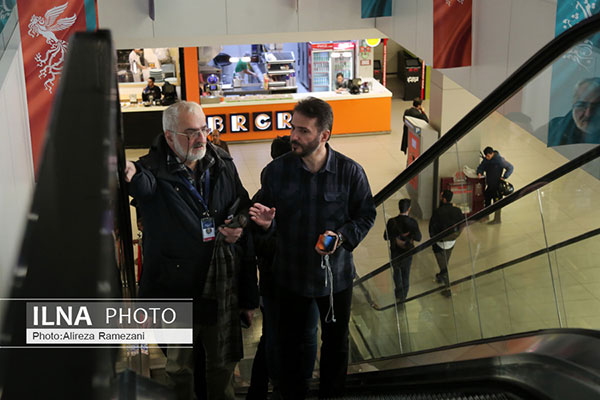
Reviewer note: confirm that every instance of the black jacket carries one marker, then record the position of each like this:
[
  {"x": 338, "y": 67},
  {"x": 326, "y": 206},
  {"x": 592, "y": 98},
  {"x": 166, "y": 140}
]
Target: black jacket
[
  {"x": 175, "y": 257},
  {"x": 404, "y": 227},
  {"x": 410, "y": 112},
  {"x": 445, "y": 216},
  {"x": 154, "y": 91},
  {"x": 495, "y": 169}
]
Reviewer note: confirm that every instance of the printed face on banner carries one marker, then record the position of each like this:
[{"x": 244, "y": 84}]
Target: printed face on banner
[{"x": 575, "y": 86}]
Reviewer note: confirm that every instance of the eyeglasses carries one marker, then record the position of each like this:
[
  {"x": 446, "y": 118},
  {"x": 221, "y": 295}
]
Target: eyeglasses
[
  {"x": 583, "y": 105},
  {"x": 204, "y": 131}
]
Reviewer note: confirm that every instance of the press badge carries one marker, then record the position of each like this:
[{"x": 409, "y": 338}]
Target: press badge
[{"x": 208, "y": 229}]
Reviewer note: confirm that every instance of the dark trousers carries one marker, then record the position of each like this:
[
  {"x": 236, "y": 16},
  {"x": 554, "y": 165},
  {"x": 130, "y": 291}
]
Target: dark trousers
[
  {"x": 401, "y": 270},
  {"x": 442, "y": 256},
  {"x": 491, "y": 195},
  {"x": 259, "y": 380},
  {"x": 266, "y": 364},
  {"x": 295, "y": 319}
]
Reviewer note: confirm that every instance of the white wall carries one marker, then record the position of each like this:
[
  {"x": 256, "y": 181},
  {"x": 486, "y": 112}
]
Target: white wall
[
  {"x": 208, "y": 22},
  {"x": 449, "y": 103},
  {"x": 16, "y": 164},
  {"x": 505, "y": 34}
]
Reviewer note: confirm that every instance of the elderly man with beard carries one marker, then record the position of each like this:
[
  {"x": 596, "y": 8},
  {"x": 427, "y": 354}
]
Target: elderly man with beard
[
  {"x": 582, "y": 123},
  {"x": 185, "y": 188},
  {"x": 313, "y": 190}
]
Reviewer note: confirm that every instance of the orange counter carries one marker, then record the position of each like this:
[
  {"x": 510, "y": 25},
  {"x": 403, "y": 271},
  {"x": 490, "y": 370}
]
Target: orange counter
[{"x": 263, "y": 118}]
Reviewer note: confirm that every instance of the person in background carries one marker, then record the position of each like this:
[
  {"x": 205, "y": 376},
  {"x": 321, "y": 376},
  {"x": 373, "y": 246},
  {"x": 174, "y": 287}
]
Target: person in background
[
  {"x": 265, "y": 365},
  {"x": 445, "y": 216},
  {"x": 309, "y": 194},
  {"x": 151, "y": 92},
  {"x": 402, "y": 231},
  {"x": 416, "y": 111},
  {"x": 582, "y": 122},
  {"x": 340, "y": 83},
  {"x": 496, "y": 169},
  {"x": 215, "y": 138},
  {"x": 187, "y": 189},
  {"x": 169, "y": 94},
  {"x": 244, "y": 68},
  {"x": 135, "y": 64}
]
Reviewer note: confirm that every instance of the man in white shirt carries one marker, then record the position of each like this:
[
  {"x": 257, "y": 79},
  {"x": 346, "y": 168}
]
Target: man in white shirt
[{"x": 135, "y": 64}]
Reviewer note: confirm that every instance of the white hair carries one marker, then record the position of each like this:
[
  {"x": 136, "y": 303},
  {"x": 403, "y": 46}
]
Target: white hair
[
  {"x": 170, "y": 119},
  {"x": 585, "y": 87}
]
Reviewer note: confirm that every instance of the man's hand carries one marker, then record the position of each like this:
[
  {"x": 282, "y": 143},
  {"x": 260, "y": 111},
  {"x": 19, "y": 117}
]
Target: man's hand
[
  {"x": 337, "y": 239},
  {"x": 130, "y": 171},
  {"x": 232, "y": 235},
  {"x": 262, "y": 215},
  {"x": 479, "y": 176}
]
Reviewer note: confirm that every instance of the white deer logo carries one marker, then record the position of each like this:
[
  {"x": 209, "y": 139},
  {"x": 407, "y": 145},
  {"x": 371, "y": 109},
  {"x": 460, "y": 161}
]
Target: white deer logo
[{"x": 52, "y": 62}]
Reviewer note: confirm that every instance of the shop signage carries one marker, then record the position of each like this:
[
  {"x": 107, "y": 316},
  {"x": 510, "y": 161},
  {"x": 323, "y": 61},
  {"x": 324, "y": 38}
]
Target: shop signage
[
  {"x": 333, "y": 46},
  {"x": 46, "y": 27},
  {"x": 240, "y": 122}
]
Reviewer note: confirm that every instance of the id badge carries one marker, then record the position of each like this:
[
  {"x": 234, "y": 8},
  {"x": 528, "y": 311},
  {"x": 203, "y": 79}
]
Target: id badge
[{"x": 208, "y": 229}]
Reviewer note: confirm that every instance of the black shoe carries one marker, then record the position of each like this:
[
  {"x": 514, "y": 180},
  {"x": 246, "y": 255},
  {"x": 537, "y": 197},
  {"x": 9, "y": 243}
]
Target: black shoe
[
  {"x": 438, "y": 278},
  {"x": 446, "y": 293}
]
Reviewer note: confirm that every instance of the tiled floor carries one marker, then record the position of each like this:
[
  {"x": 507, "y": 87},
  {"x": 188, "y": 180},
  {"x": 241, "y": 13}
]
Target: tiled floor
[{"x": 516, "y": 299}]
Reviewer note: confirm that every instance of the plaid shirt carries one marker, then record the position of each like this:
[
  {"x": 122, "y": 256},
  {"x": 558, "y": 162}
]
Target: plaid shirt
[{"x": 338, "y": 198}]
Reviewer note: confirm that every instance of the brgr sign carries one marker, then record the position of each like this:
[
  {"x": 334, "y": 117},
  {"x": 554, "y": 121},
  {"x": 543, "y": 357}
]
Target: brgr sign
[{"x": 250, "y": 122}]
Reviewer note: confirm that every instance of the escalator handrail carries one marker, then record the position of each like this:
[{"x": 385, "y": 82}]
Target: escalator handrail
[
  {"x": 525, "y": 362},
  {"x": 537, "y": 253},
  {"x": 533, "y": 66},
  {"x": 535, "y": 185}
]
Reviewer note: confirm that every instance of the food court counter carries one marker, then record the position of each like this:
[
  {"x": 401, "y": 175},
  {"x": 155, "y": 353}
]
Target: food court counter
[
  {"x": 260, "y": 117},
  {"x": 141, "y": 124}
]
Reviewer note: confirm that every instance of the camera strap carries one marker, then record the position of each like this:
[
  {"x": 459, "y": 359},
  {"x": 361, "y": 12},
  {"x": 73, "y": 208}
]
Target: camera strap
[{"x": 328, "y": 278}]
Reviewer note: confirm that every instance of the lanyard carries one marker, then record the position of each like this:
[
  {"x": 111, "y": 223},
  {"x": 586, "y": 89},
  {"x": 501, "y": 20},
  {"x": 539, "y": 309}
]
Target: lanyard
[{"x": 195, "y": 192}]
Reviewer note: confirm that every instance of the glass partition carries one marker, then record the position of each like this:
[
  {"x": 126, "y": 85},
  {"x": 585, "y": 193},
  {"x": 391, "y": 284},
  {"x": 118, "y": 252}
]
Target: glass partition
[
  {"x": 504, "y": 279},
  {"x": 507, "y": 272},
  {"x": 570, "y": 210}
]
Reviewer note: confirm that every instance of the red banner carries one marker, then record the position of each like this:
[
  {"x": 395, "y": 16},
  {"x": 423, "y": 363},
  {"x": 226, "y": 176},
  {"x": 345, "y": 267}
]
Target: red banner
[
  {"x": 46, "y": 26},
  {"x": 452, "y": 33}
]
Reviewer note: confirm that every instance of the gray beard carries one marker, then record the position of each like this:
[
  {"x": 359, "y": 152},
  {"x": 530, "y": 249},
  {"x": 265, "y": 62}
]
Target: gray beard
[{"x": 188, "y": 155}]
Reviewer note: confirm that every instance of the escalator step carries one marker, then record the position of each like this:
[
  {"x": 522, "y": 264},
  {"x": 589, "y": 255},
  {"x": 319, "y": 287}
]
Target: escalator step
[{"x": 430, "y": 396}]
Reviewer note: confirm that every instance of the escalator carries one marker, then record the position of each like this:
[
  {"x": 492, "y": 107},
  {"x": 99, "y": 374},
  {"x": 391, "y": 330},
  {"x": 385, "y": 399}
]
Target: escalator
[
  {"x": 77, "y": 244},
  {"x": 523, "y": 317},
  {"x": 522, "y": 321}
]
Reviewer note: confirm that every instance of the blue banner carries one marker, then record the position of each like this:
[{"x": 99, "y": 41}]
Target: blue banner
[
  {"x": 6, "y": 7},
  {"x": 376, "y": 8},
  {"x": 90, "y": 15},
  {"x": 575, "y": 88}
]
